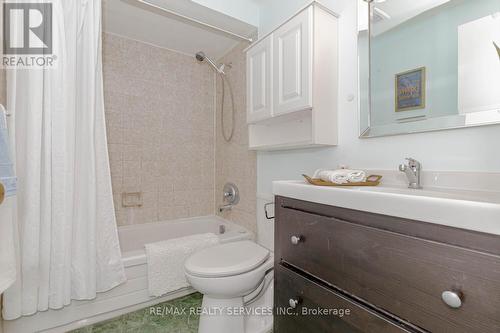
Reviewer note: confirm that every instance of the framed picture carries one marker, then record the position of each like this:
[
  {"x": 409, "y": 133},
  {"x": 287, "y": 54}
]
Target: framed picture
[{"x": 410, "y": 90}]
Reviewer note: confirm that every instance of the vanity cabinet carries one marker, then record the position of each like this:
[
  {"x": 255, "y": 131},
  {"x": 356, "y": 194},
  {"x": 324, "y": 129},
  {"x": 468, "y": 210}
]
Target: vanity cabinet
[
  {"x": 292, "y": 83},
  {"x": 394, "y": 271},
  {"x": 309, "y": 296}
]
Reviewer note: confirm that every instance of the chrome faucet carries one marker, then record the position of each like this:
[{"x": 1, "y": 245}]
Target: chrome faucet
[
  {"x": 231, "y": 196},
  {"x": 412, "y": 171},
  {"x": 223, "y": 208}
]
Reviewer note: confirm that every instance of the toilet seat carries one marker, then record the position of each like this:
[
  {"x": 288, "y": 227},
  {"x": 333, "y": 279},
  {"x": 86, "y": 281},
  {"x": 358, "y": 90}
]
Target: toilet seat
[{"x": 227, "y": 259}]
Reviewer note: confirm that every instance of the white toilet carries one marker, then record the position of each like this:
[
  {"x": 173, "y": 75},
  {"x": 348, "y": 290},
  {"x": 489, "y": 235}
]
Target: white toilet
[{"x": 236, "y": 280}]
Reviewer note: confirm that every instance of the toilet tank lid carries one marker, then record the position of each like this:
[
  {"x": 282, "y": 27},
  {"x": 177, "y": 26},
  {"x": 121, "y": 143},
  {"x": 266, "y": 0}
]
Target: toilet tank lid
[{"x": 227, "y": 259}]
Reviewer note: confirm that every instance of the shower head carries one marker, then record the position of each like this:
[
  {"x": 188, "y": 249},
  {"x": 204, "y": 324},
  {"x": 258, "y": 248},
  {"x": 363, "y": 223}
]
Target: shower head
[{"x": 201, "y": 57}]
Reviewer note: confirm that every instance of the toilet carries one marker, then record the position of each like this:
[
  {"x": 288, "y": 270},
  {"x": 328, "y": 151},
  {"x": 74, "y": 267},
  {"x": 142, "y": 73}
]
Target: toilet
[{"x": 236, "y": 280}]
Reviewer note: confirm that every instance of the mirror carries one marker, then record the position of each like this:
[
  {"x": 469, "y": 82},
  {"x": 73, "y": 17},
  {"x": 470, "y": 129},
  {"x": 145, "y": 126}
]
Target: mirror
[{"x": 427, "y": 65}]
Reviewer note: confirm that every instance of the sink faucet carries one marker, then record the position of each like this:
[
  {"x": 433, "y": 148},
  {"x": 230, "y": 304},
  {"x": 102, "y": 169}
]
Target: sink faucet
[{"x": 412, "y": 171}]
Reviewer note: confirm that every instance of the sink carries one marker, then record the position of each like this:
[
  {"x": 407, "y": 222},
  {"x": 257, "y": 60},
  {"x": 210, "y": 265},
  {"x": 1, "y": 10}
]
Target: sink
[
  {"x": 438, "y": 193},
  {"x": 470, "y": 208}
]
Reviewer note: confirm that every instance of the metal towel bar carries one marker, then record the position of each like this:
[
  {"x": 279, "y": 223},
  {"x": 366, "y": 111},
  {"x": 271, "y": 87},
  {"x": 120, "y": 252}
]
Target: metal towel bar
[{"x": 265, "y": 210}]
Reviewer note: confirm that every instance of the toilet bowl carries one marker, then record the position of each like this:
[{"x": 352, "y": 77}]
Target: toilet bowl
[{"x": 236, "y": 282}]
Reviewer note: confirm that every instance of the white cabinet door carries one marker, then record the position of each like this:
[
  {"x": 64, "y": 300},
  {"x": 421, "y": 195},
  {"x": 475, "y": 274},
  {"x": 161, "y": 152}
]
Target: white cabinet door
[
  {"x": 293, "y": 43},
  {"x": 259, "y": 81}
]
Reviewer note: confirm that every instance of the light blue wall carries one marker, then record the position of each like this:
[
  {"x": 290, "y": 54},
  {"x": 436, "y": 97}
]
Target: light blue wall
[
  {"x": 472, "y": 149},
  {"x": 430, "y": 40}
]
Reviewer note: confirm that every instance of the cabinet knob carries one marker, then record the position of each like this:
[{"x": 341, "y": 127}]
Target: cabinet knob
[
  {"x": 452, "y": 298},
  {"x": 293, "y": 303},
  {"x": 296, "y": 240}
]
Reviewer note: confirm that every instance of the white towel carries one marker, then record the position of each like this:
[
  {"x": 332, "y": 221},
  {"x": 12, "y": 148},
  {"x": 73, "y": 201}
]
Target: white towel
[
  {"x": 8, "y": 242},
  {"x": 8, "y": 231},
  {"x": 7, "y": 177},
  {"x": 166, "y": 261},
  {"x": 341, "y": 176}
]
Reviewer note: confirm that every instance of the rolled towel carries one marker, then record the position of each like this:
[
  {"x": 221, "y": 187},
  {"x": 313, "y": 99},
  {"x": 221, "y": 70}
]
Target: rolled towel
[
  {"x": 342, "y": 176},
  {"x": 357, "y": 176}
]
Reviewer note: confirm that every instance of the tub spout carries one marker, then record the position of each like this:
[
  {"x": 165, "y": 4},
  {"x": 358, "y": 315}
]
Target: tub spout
[{"x": 223, "y": 208}]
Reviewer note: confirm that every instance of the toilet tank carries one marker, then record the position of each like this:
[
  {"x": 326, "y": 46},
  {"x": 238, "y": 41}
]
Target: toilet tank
[{"x": 265, "y": 227}]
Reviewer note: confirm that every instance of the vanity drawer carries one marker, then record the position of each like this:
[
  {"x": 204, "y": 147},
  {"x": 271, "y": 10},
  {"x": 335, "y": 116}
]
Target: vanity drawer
[
  {"x": 312, "y": 296},
  {"x": 403, "y": 275}
]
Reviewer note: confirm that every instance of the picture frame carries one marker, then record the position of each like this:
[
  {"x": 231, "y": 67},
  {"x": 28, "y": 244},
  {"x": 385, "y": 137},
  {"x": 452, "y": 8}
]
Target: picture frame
[{"x": 410, "y": 89}]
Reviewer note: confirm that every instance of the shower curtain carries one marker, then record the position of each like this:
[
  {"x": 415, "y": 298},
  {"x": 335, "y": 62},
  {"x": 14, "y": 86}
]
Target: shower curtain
[{"x": 68, "y": 243}]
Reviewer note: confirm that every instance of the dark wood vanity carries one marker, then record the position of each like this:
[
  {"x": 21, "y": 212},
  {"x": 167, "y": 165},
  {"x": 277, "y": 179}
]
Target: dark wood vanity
[{"x": 374, "y": 273}]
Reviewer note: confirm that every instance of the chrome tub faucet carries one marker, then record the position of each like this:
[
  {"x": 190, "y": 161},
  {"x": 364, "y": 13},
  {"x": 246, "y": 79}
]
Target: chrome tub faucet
[
  {"x": 231, "y": 196},
  {"x": 412, "y": 170}
]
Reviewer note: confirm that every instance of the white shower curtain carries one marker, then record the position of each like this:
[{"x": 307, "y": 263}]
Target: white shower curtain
[{"x": 68, "y": 243}]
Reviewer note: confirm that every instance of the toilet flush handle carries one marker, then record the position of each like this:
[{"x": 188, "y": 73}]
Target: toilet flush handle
[
  {"x": 293, "y": 302},
  {"x": 296, "y": 239}
]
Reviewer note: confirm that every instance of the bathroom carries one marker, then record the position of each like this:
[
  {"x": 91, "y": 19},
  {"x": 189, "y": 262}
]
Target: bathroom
[{"x": 152, "y": 155}]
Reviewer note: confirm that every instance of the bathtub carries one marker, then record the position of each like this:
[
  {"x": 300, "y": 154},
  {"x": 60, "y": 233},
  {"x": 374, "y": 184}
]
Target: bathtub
[{"x": 133, "y": 294}]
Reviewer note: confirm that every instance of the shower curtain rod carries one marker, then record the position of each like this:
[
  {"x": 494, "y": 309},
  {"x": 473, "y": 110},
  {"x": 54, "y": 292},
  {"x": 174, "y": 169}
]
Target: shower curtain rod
[{"x": 213, "y": 27}]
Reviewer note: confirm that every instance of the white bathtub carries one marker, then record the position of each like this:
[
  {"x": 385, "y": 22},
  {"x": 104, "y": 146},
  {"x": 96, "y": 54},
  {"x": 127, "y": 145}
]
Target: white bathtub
[{"x": 133, "y": 294}]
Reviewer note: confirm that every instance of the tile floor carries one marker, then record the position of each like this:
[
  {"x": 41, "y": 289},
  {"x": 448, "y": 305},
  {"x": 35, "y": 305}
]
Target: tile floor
[{"x": 146, "y": 321}]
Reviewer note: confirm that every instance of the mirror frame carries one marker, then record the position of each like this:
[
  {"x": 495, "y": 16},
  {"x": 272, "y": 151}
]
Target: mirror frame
[{"x": 442, "y": 123}]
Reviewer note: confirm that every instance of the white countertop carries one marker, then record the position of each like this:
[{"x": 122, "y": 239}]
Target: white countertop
[{"x": 470, "y": 209}]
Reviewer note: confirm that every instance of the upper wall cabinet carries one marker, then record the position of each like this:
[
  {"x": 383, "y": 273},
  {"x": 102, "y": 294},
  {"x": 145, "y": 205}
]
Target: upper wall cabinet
[
  {"x": 292, "y": 83},
  {"x": 293, "y": 65},
  {"x": 259, "y": 81}
]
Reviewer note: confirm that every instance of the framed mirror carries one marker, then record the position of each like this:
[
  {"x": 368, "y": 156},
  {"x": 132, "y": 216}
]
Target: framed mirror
[{"x": 427, "y": 65}]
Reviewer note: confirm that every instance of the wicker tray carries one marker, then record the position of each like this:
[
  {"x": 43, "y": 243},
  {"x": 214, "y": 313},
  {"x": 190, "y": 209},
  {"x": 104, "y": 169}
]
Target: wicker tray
[{"x": 373, "y": 180}]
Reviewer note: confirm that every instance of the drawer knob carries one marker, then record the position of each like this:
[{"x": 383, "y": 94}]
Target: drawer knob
[
  {"x": 293, "y": 303},
  {"x": 452, "y": 298},
  {"x": 296, "y": 239}
]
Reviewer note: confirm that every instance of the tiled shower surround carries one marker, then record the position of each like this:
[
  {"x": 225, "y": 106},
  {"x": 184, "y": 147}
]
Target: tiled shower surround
[
  {"x": 160, "y": 121},
  {"x": 160, "y": 114}
]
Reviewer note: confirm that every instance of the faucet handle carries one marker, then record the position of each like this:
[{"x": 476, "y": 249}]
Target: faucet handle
[{"x": 413, "y": 163}]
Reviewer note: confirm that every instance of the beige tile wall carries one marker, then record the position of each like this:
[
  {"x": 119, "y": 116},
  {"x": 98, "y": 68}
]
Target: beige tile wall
[
  {"x": 234, "y": 162},
  {"x": 160, "y": 121}
]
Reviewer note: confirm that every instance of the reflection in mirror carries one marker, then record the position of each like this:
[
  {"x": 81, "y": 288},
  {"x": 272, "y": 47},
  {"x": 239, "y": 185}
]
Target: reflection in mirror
[{"x": 428, "y": 65}]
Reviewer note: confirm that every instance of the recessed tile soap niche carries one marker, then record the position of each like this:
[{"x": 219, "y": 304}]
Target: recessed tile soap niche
[{"x": 292, "y": 83}]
